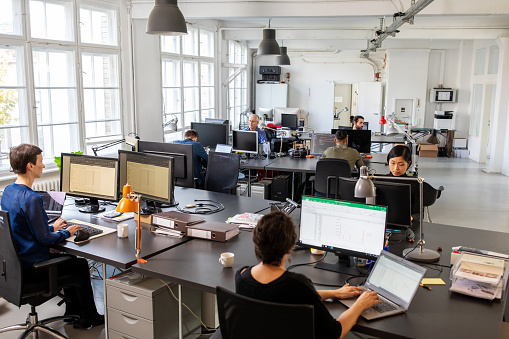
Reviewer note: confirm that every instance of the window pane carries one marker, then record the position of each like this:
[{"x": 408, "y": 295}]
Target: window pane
[
  {"x": 98, "y": 25},
  {"x": 11, "y": 137},
  {"x": 190, "y": 73},
  {"x": 171, "y": 100},
  {"x": 54, "y": 68},
  {"x": 207, "y": 74},
  {"x": 493, "y": 64},
  {"x": 170, "y": 44},
  {"x": 13, "y": 110},
  {"x": 101, "y": 104},
  {"x": 171, "y": 73},
  {"x": 480, "y": 61},
  {"x": 190, "y": 42},
  {"x": 231, "y": 52},
  {"x": 190, "y": 117},
  {"x": 106, "y": 128},
  {"x": 100, "y": 70},
  {"x": 175, "y": 136},
  {"x": 10, "y": 17},
  {"x": 207, "y": 97},
  {"x": 206, "y": 43},
  {"x": 57, "y": 139},
  {"x": 11, "y": 66},
  {"x": 51, "y": 19},
  {"x": 56, "y": 106},
  {"x": 475, "y": 117},
  {"x": 191, "y": 99},
  {"x": 207, "y": 113}
]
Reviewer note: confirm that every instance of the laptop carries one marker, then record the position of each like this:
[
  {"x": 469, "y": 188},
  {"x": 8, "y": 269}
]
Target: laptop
[
  {"x": 53, "y": 204},
  {"x": 395, "y": 280},
  {"x": 221, "y": 148}
]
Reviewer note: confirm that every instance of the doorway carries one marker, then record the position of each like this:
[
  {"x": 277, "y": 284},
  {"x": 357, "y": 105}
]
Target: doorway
[{"x": 342, "y": 99}]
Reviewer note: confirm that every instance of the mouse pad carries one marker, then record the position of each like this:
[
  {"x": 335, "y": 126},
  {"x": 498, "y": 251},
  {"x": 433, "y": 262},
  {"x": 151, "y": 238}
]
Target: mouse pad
[{"x": 106, "y": 230}]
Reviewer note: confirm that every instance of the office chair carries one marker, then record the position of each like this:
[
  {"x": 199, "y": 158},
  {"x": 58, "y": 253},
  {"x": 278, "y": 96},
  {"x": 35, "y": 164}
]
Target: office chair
[
  {"x": 430, "y": 195},
  {"x": 247, "y": 318},
  {"x": 17, "y": 291},
  {"x": 326, "y": 180},
  {"x": 222, "y": 172}
]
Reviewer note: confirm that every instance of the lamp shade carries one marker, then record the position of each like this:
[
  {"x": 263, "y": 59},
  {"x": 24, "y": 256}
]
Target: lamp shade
[
  {"x": 126, "y": 205},
  {"x": 283, "y": 58},
  {"x": 392, "y": 130},
  {"x": 269, "y": 45},
  {"x": 382, "y": 121},
  {"x": 166, "y": 19},
  {"x": 364, "y": 188}
]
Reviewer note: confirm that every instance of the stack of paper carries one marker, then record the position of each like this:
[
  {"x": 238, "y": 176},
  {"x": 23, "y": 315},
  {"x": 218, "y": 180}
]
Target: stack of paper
[{"x": 245, "y": 220}]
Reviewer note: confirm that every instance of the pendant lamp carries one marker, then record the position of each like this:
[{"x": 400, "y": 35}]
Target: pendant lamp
[
  {"x": 166, "y": 19},
  {"x": 283, "y": 58},
  {"x": 269, "y": 45}
]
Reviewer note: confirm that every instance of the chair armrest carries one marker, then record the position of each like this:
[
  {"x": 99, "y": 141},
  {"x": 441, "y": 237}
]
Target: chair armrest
[
  {"x": 50, "y": 262},
  {"x": 52, "y": 273},
  {"x": 230, "y": 187}
]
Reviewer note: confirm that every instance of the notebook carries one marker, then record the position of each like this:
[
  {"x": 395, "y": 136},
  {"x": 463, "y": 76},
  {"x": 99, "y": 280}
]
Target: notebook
[
  {"x": 396, "y": 281},
  {"x": 53, "y": 204}
]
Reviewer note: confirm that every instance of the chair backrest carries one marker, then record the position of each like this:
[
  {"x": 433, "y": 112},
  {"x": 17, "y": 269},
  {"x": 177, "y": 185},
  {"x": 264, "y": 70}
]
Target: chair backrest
[
  {"x": 328, "y": 172},
  {"x": 11, "y": 267},
  {"x": 247, "y": 318},
  {"x": 430, "y": 194},
  {"x": 222, "y": 172}
]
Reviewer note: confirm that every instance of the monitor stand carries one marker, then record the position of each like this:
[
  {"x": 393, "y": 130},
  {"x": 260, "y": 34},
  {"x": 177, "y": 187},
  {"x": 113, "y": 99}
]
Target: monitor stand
[
  {"x": 344, "y": 265},
  {"x": 151, "y": 207},
  {"x": 92, "y": 206}
]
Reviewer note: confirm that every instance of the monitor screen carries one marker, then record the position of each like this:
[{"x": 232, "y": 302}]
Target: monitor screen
[
  {"x": 217, "y": 121},
  {"x": 210, "y": 134},
  {"x": 290, "y": 120},
  {"x": 360, "y": 140},
  {"x": 148, "y": 174},
  {"x": 278, "y": 111},
  {"x": 342, "y": 227},
  {"x": 245, "y": 141},
  {"x": 89, "y": 177},
  {"x": 183, "y": 155},
  {"x": 320, "y": 142}
]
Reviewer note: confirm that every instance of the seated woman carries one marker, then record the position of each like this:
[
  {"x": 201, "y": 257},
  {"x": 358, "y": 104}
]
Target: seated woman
[
  {"x": 274, "y": 238},
  {"x": 33, "y": 236}
]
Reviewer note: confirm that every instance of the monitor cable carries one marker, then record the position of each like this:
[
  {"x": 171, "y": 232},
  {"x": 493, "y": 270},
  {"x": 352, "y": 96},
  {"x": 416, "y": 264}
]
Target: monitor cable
[{"x": 201, "y": 207}]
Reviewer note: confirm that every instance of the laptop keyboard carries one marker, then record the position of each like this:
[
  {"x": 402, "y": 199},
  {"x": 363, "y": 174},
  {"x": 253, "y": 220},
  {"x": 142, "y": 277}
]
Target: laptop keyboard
[
  {"x": 91, "y": 230},
  {"x": 385, "y": 306}
]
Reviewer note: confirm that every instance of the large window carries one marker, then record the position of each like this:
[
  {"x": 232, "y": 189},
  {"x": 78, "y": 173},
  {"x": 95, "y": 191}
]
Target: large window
[
  {"x": 237, "y": 77},
  {"x": 188, "y": 79},
  {"x": 59, "y": 80}
]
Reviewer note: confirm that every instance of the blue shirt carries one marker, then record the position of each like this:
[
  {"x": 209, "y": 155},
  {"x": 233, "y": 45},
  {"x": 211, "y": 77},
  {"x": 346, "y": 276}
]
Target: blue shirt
[
  {"x": 199, "y": 156},
  {"x": 262, "y": 137},
  {"x": 29, "y": 222}
]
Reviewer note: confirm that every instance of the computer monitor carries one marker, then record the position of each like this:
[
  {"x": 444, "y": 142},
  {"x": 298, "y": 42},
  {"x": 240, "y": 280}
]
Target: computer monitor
[
  {"x": 95, "y": 178},
  {"x": 217, "y": 121},
  {"x": 365, "y": 126},
  {"x": 342, "y": 227},
  {"x": 290, "y": 121},
  {"x": 211, "y": 134},
  {"x": 245, "y": 141},
  {"x": 149, "y": 175},
  {"x": 183, "y": 155},
  {"x": 267, "y": 112},
  {"x": 320, "y": 142},
  {"x": 345, "y": 128},
  {"x": 396, "y": 196},
  {"x": 278, "y": 111},
  {"x": 360, "y": 140}
]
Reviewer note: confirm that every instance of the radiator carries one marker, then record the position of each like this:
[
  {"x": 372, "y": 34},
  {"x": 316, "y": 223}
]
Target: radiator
[{"x": 52, "y": 184}]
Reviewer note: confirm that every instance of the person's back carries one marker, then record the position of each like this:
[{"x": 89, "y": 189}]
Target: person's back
[
  {"x": 200, "y": 156},
  {"x": 342, "y": 151}
]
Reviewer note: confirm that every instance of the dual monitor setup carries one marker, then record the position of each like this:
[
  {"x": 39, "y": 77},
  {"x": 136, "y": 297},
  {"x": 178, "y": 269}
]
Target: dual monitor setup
[{"x": 357, "y": 139}]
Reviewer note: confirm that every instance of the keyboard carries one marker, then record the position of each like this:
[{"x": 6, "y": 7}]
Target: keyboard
[
  {"x": 385, "y": 306},
  {"x": 91, "y": 230}
]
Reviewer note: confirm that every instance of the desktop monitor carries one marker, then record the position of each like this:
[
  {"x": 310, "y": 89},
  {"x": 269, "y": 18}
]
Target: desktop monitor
[
  {"x": 320, "y": 142},
  {"x": 342, "y": 227},
  {"x": 245, "y": 141},
  {"x": 95, "y": 178},
  {"x": 290, "y": 121},
  {"x": 396, "y": 196},
  {"x": 360, "y": 140},
  {"x": 334, "y": 130},
  {"x": 211, "y": 134},
  {"x": 278, "y": 111},
  {"x": 266, "y": 112},
  {"x": 217, "y": 121},
  {"x": 183, "y": 155},
  {"x": 149, "y": 175}
]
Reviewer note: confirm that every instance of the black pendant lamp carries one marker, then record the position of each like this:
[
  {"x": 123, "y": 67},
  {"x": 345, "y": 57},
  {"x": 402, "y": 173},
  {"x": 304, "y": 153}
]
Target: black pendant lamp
[
  {"x": 283, "y": 59},
  {"x": 166, "y": 19},
  {"x": 269, "y": 45}
]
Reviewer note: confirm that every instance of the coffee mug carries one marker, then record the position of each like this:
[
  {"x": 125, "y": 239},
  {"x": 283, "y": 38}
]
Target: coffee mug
[
  {"x": 122, "y": 230},
  {"x": 226, "y": 259}
]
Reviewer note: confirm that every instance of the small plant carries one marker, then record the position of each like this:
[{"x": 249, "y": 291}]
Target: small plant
[{"x": 58, "y": 160}]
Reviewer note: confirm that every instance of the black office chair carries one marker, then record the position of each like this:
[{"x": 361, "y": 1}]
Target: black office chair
[
  {"x": 247, "y": 318},
  {"x": 326, "y": 180},
  {"x": 430, "y": 195},
  {"x": 17, "y": 291},
  {"x": 222, "y": 172}
]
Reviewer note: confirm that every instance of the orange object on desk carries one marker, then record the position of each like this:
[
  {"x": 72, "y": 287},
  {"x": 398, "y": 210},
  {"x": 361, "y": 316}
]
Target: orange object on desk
[
  {"x": 310, "y": 156},
  {"x": 368, "y": 156}
]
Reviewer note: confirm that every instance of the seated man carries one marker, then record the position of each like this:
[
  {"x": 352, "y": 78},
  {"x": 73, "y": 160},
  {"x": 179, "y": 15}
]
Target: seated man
[
  {"x": 358, "y": 122},
  {"x": 200, "y": 157},
  {"x": 342, "y": 151},
  {"x": 254, "y": 120}
]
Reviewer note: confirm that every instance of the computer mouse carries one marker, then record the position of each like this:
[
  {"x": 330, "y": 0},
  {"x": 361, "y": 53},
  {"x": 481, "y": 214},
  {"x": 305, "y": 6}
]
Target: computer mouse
[{"x": 81, "y": 235}]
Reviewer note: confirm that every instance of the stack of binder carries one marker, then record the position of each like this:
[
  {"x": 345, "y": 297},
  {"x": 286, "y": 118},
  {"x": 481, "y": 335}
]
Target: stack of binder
[{"x": 175, "y": 223}]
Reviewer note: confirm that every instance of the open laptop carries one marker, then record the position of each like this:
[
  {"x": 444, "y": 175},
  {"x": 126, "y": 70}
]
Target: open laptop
[
  {"x": 395, "y": 280},
  {"x": 221, "y": 148},
  {"x": 53, "y": 204}
]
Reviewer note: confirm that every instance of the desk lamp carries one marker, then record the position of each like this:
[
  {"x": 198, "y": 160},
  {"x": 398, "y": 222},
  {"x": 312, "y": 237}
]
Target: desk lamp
[
  {"x": 433, "y": 139},
  {"x": 130, "y": 202},
  {"x": 281, "y": 134},
  {"x": 172, "y": 124},
  {"x": 364, "y": 188}
]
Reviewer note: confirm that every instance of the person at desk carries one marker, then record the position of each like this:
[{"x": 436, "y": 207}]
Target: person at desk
[
  {"x": 200, "y": 156},
  {"x": 254, "y": 120},
  {"x": 274, "y": 238},
  {"x": 358, "y": 122},
  {"x": 33, "y": 236},
  {"x": 342, "y": 151}
]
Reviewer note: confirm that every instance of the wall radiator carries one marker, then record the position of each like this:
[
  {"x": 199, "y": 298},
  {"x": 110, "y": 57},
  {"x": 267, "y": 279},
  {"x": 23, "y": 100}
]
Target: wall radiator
[{"x": 50, "y": 184}]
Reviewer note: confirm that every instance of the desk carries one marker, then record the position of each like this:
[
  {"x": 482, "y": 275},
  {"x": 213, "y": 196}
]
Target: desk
[
  {"x": 432, "y": 314},
  {"x": 385, "y": 139}
]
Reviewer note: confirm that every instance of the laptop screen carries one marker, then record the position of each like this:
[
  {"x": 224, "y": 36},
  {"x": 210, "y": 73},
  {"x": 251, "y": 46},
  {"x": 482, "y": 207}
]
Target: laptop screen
[
  {"x": 223, "y": 148},
  {"x": 52, "y": 201},
  {"x": 397, "y": 276}
]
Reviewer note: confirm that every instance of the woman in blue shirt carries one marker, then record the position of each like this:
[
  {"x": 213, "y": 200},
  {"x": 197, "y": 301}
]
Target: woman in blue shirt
[{"x": 33, "y": 236}]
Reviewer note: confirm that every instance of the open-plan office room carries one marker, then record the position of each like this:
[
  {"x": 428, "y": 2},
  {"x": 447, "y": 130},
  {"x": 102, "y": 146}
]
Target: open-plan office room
[{"x": 84, "y": 75}]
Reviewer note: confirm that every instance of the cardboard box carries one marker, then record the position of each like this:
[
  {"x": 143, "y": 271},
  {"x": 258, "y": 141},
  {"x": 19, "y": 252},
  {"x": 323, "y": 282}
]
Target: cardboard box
[{"x": 428, "y": 150}]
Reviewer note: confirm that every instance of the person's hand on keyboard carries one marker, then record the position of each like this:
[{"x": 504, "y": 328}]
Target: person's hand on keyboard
[
  {"x": 59, "y": 224},
  {"x": 347, "y": 291},
  {"x": 367, "y": 299},
  {"x": 73, "y": 229}
]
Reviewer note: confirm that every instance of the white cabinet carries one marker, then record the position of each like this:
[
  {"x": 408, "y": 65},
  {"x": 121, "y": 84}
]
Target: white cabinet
[{"x": 271, "y": 95}]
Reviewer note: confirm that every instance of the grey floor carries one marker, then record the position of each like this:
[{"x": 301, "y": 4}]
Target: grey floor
[{"x": 471, "y": 198}]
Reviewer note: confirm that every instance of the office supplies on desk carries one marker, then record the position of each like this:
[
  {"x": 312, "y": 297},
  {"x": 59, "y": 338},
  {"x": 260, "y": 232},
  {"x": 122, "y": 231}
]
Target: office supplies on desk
[
  {"x": 175, "y": 220},
  {"x": 245, "y": 220},
  {"x": 95, "y": 231},
  {"x": 210, "y": 230},
  {"x": 396, "y": 281},
  {"x": 114, "y": 216}
]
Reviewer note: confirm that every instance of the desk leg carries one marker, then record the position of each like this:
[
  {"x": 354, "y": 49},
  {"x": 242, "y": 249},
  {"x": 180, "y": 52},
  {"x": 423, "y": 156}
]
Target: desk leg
[
  {"x": 293, "y": 185},
  {"x": 105, "y": 303},
  {"x": 181, "y": 319},
  {"x": 249, "y": 183}
]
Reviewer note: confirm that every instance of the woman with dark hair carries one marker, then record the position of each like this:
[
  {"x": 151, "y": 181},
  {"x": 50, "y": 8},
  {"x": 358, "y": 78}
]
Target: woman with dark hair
[
  {"x": 274, "y": 238},
  {"x": 33, "y": 236}
]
